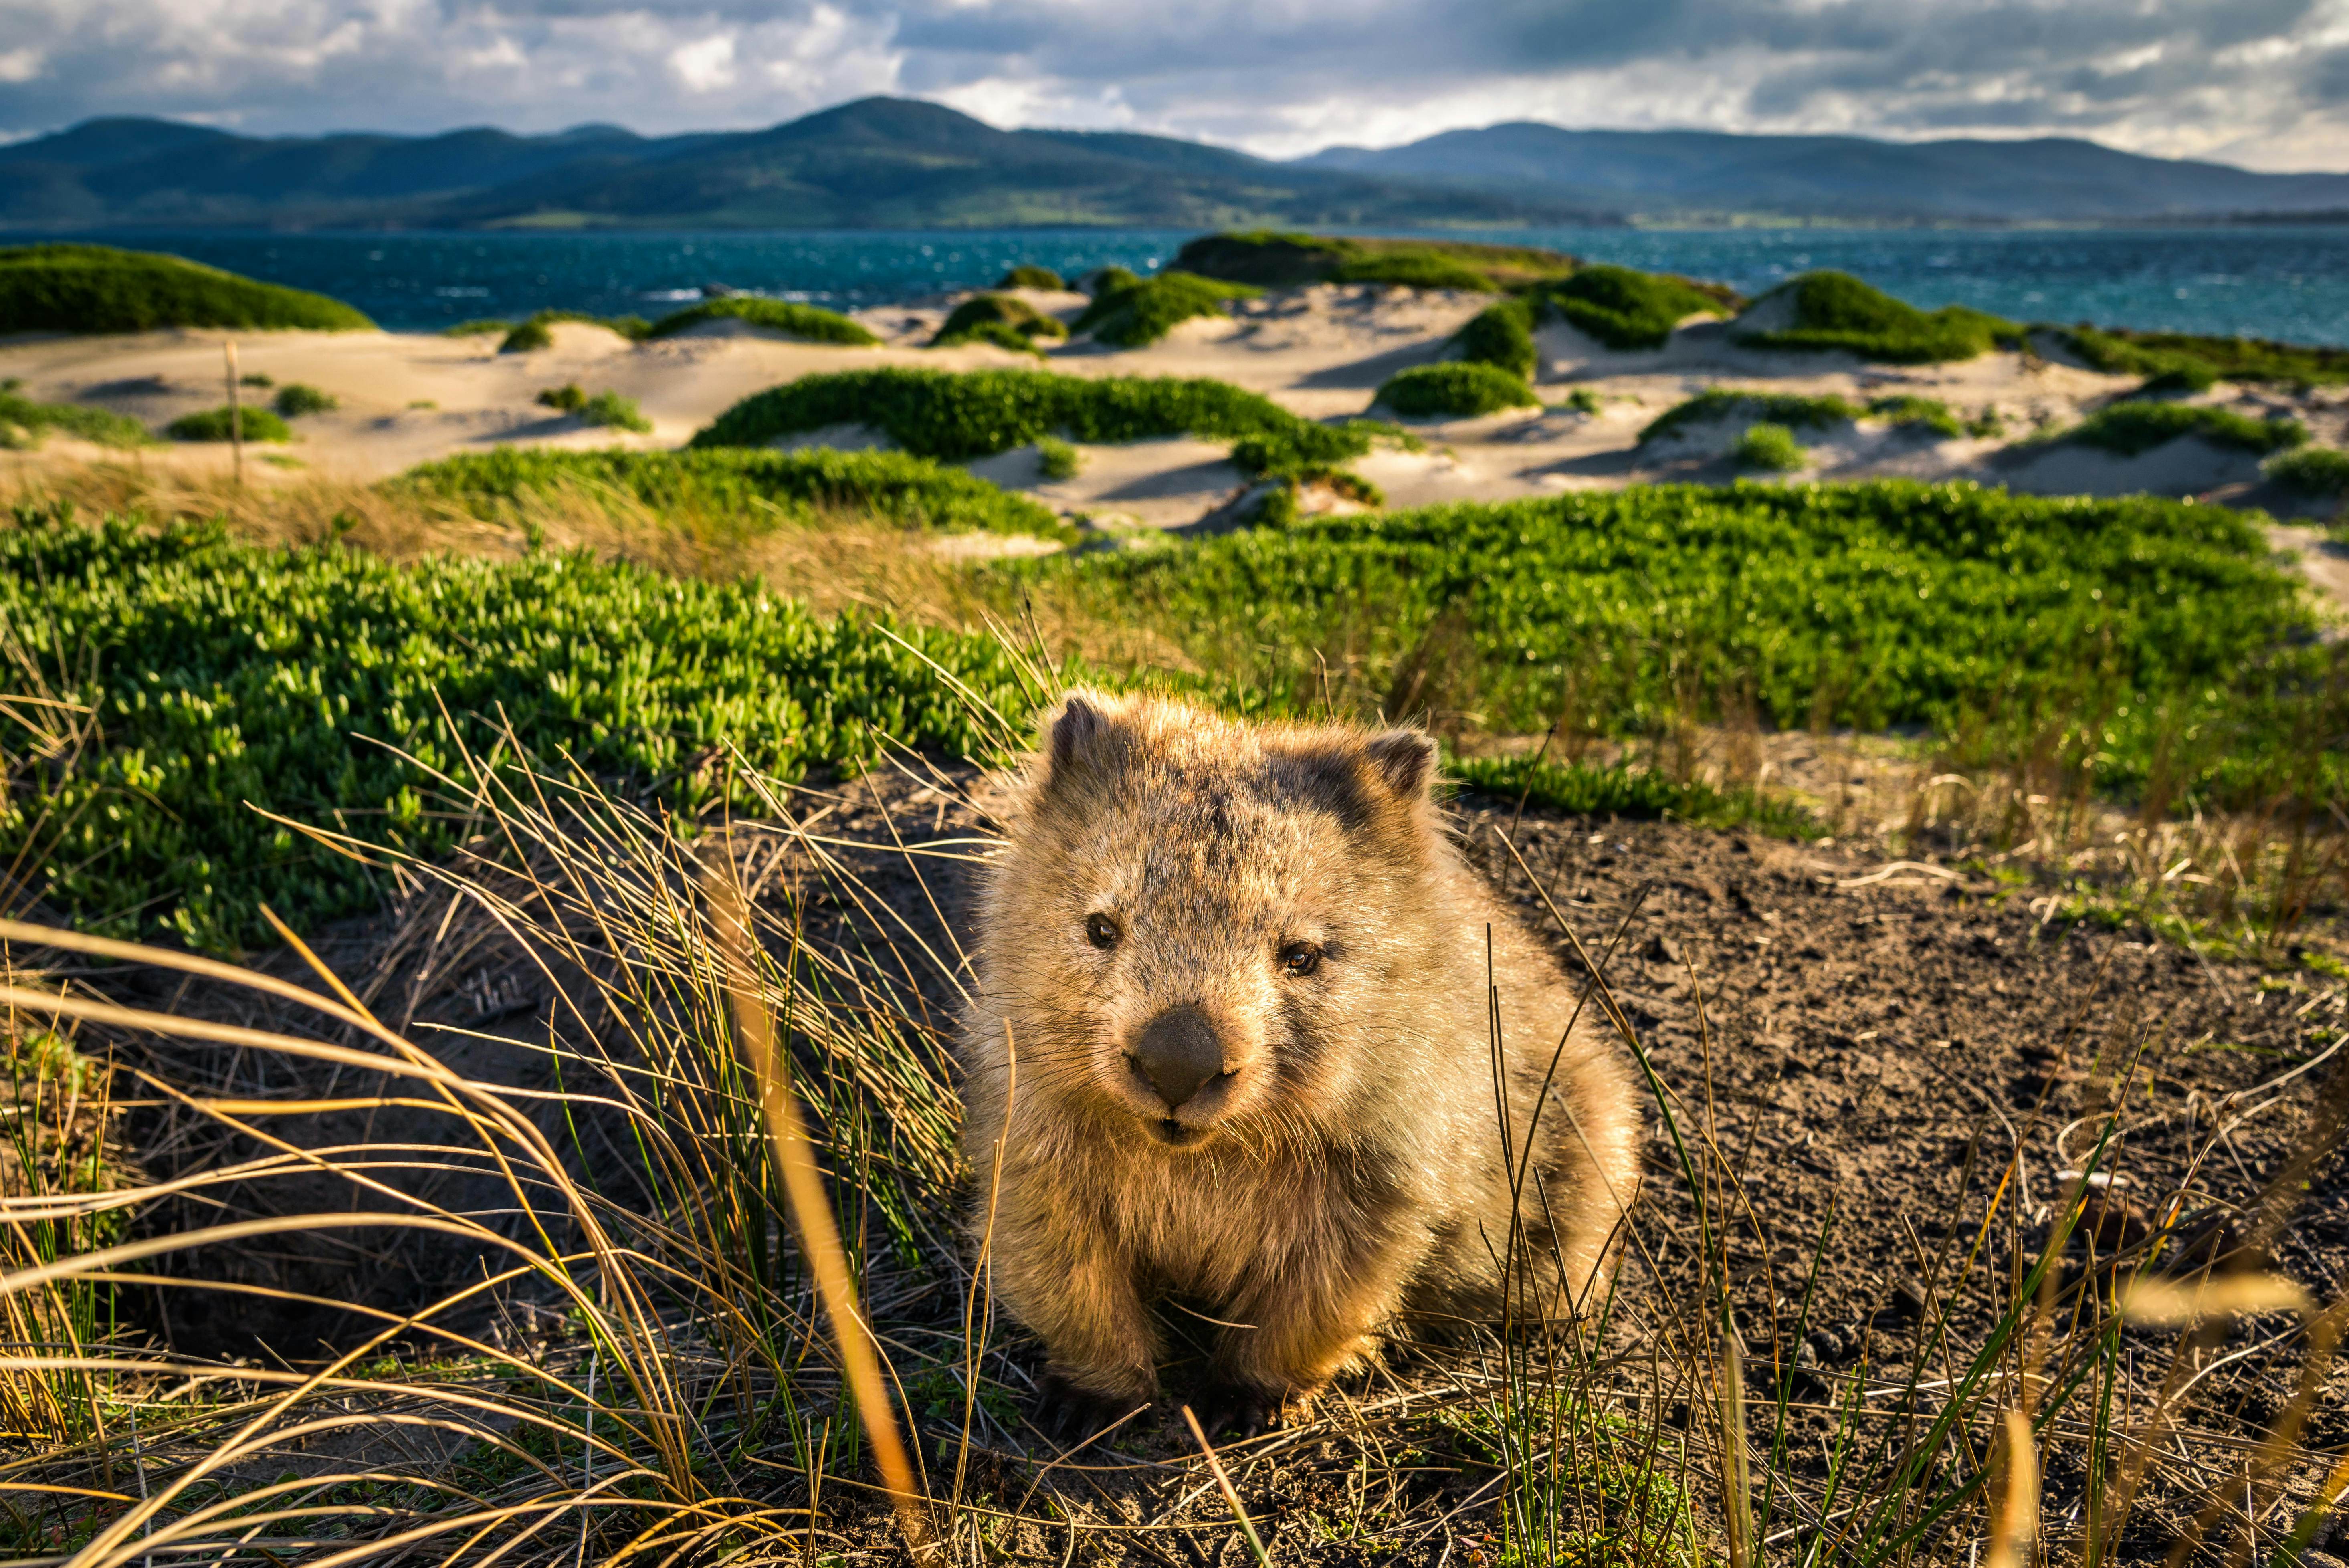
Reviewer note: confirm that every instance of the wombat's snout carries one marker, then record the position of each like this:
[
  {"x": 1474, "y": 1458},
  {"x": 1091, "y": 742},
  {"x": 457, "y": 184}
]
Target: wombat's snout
[{"x": 1177, "y": 1052}]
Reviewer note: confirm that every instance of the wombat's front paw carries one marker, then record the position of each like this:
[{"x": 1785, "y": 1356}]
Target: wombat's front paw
[
  {"x": 1239, "y": 1410},
  {"x": 1069, "y": 1414}
]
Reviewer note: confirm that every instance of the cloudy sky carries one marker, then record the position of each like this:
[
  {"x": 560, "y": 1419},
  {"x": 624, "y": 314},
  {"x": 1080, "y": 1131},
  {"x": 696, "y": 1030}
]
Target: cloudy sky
[{"x": 2259, "y": 82}]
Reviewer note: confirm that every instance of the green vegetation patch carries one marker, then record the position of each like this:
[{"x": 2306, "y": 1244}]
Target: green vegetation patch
[
  {"x": 24, "y": 422},
  {"x": 1631, "y": 310},
  {"x": 96, "y": 288},
  {"x": 1276, "y": 260},
  {"x": 221, "y": 674},
  {"x": 1770, "y": 448},
  {"x": 1836, "y": 311},
  {"x": 749, "y": 491},
  {"x": 1056, "y": 459},
  {"x": 1908, "y": 411},
  {"x": 2312, "y": 471},
  {"x": 1620, "y": 789},
  {"x": 810, "y": 323},
  {"x": 1776, "y": 407},
  {"x": 530, "y": 336},
  {"x": 999, "y": 319},
  {"x": 1456, "y": 391},
  {"x": 2119, "y": 351},
  {"x": 1502, "y": 336},
  {"x": 955, "y": 416},
  {"x": 2132, "y": 427},
  {"x": 2101, "y": 631},
  {"x": 1142, "y": 312},
  {"x": 295, "y": 399},
  {"x": 220, "y": 424},
  {"x": 1028, "y": 276}
]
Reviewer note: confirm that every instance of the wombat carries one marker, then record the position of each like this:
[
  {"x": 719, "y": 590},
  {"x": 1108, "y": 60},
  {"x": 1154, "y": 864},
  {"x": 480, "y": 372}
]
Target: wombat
[{"x": 1231, "y": 1045}]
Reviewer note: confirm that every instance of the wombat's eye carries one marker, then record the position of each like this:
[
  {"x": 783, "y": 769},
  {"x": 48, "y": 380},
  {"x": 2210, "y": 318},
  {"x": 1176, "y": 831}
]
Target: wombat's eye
[
  {"x": 1300, "y": 957},
  {"x": 1100, "y": 931}
]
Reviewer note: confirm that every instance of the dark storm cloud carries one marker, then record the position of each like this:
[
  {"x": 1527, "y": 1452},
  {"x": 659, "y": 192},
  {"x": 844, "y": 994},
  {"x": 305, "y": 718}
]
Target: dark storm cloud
[{"x": 2165, "y": 74}]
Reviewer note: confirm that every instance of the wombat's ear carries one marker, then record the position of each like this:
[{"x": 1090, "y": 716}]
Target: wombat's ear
[
  {"x": 1404, "y": 761},
  {"x": 1082, "y": 738}
]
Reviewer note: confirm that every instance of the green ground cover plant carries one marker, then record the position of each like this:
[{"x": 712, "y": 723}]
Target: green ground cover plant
[
  {"x": 811, "y": 323},
  {"x": 1620, "y": 789},
  {"x": 2312, "y": 471},
  {"x": 999, "y": 319},
  {"x": 295, "y": 399},
  {"x": 1836, "y": 311},
  {"x": 1109, "y": 279},
  {"x": 1770, "y": 449},
  {"x": 1056, "y": 459},
  {"x": 1274, "y": 259},
  {"x": 1777, "y": 408},
  {"x": 612, "y": 411},
  {"x": 1502, "y": 336},
  {"x": 1454, "y": 390},
  {"x": 955, "y": 416},
  {"x": 1141, "y": 313},
  {"x": 2181, "y": 381},
  {"x": 215, "y": 424},
  {"x": 222, "y": 672},
  {"x": 480, "y": 327},
  {"x": 567, "y": 399},
  {"x": 1625, "y": 309},
  {"x": 1028, "y": 276},
  {"x": 2131, "y": 428},
  {"x": 1908, "y": 411},
  {"x": 2101, "y": 631},
  {"x": 96, "y": 288},
  {"x": 535, "y": 333},
  {"x": 756, "y": 488},
  {"x": 2120, "y": 352},
  {"x": 22, "y": 422}
]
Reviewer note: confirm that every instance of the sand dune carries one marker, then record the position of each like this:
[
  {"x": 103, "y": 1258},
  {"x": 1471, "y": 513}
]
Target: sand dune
[{"x": 1322, "y": 351}]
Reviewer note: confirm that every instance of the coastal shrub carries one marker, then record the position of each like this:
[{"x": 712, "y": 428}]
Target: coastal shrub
[
  {"x": 2119, "y": 351},
  {"x": 1836, "y": 311},
  {"x": 255, "y": 378},
  {"x": 1274, "y": 259},
  {"x": 2007, "y": 619},
  {"x": 1108, "y": 280},
  {"x": 1770, "y": 449},
  {"x": 1582, "y": 400},
  {"x": 567, "y": 399},
  {"x": 1909, "y": 412},
  {"x": 2180, "y": 380},
  {"x": 1028, "y": 276},
  {"x": 1144, "y": 312},
  {"x": 955, "y": 416},
  {"x": 482, "y": 326},
  {"x": 1502, "y": 336},
  {"x": 1630, "y": 310},
  {"x": 1620, "y": 789},
  {"x": 1776, "y": 407},
  {"x": 736, "y": 490},
  {"x": 1418, "y": 268},
  {"x": 999, "y": 319},
  {"x": 214, "y": 425},
  {"x": 530, "y": 336},
  {"x": 220, "y": 673},
  {"x": 96, "y": 288},
  {"x": 609, "y": 410},
  {"x": 2312, "y": 471},
  {"x": 810, "y": 323},
  {"x": 1455, "y": 390},
  {"x": 1056, "y": 459},
  {"x": 295, "y": 399},
  {"x": 108, "y": 428},
  {"x": 2129, "y": 428}
]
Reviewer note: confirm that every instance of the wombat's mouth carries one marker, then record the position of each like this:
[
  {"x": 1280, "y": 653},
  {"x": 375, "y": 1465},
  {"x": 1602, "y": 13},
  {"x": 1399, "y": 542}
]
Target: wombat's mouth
[{"x": 1174, "y": 1134}]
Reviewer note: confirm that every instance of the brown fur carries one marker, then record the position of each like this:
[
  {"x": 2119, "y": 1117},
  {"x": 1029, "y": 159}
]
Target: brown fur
[{"x": 1350, "y": 1165}]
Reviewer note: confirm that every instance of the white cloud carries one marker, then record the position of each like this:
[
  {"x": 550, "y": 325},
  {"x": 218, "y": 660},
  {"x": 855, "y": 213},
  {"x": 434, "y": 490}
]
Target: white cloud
[{"x": 20, "y": 65}]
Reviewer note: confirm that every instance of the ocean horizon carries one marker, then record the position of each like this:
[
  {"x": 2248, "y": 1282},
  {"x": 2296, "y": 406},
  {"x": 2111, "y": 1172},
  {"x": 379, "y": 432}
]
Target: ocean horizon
[{"x": 2288, "y": 282}]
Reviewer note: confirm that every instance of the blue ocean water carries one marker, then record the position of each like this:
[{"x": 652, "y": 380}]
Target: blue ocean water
[{"x": 2290, "y": 284}]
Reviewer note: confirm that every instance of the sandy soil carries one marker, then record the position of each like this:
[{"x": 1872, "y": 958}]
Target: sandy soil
[{"x": 1322, "y": 351}]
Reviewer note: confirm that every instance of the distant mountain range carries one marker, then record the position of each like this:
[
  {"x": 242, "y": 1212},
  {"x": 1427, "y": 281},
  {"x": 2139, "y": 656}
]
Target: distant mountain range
[
  {"x": 898, "y": 163},
  {"x": 1696, "y": 172},
  {"x": 877, "y": 163}
]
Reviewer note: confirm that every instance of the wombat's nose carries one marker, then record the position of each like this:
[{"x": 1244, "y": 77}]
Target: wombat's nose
[{"x": 1177, "y": 1052}]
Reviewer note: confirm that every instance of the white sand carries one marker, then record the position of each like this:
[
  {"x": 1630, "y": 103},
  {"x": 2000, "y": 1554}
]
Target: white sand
[{"x": 1320, "y": 351}]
